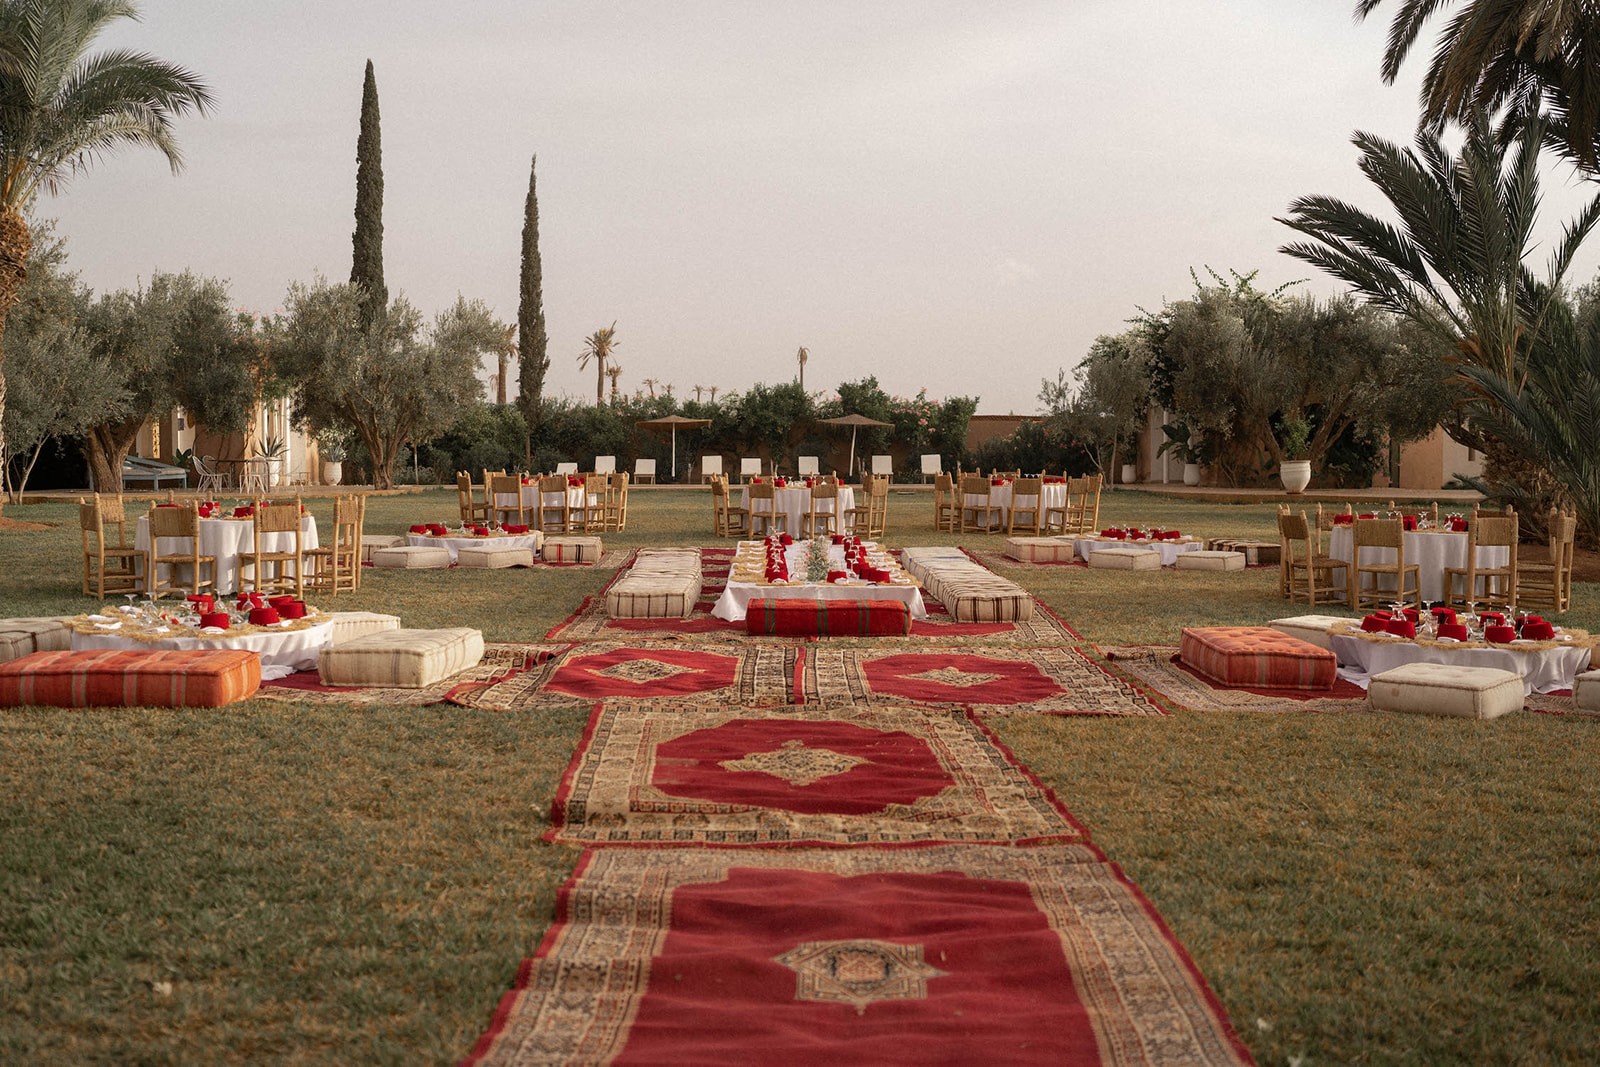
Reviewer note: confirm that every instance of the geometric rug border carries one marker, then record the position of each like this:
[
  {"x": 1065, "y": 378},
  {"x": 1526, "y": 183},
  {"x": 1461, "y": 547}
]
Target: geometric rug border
[{"x": 1149, "y": 668}]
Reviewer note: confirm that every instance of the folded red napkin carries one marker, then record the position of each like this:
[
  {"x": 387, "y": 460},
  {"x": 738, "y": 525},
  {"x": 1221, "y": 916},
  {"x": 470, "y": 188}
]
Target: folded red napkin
[
  {"x": 1113, "y": 533},
  {"x": 780, "y": 483},
  {"x": 837, "y": 576},
  {"x": 1453, "y": 629},
  {"x": 250, "y": 600},
  {"x": 1401, "y": 627},
  {"x": 263, "y": 616},
  {"x": 516, "y": 528},
  {"x": 1343, "y": 520},
  {"x": 1458, "y": 525},
  {"x": 811, "y": 483},
  {"x": 1370, "y": 515},
  {"x": 838, "y": 539},
  {"x": 202, "y": 602},
  {"x": 295, "y": 609},
  {"x": 1412, "y": 615},
  {"x": 1533, "y": 618},
  {"x": 1375, "y": 622},
  {"x": 1053, "y": 480},
  {"x": 1495, "y": 617},
  {"x": 1500, "y": 635},
  {"x": 279, "y": 601},
  {"x": 243, "y": 512},
  {"x": 997, "y": 481},
  {"x": 207, "y": 510},
  {"x": 419, "y": 528},
  {"x": 1409, "y": 522},
  {"x": 573, "y": 481},
  {"x": 1445, "y": 614},
  {"x": 219, "y": 619},
  {"x": 437, "y": 529},
  {"x": 785, "y": 540},
  {"x": 1538, "y": 631}
]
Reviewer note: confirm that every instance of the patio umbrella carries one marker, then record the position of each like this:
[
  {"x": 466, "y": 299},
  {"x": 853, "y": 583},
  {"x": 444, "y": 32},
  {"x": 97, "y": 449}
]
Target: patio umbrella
[
  {"x": 673, "y": 422},
  {"x": 855, "y": 422}
]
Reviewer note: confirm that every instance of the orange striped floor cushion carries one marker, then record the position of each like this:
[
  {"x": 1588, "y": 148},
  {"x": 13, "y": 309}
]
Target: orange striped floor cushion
[
  {"x": 154, "y": 678},
  {"x": 803, "y": 617},
  {"x": 1257, "y": 657}
]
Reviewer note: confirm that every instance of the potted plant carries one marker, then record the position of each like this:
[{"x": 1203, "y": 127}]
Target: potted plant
[
  {"x": 1182, "y": 442},
  {"x": 273, "y": 449},
  {"x": 331, "y": 449},
  {"x": 1295, "y": 470},
  {"x": 1130, "y": 461}
]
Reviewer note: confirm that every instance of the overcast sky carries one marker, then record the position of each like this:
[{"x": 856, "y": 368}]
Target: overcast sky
[{"x": 950, "y": 196}]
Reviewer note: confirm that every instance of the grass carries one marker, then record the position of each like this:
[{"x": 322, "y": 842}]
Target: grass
[{"x": 320, "y": 885}]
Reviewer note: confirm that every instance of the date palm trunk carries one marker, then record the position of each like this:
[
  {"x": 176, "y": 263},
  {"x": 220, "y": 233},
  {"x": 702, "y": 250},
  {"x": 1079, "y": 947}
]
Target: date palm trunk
[{"x": 15, "y": 243}]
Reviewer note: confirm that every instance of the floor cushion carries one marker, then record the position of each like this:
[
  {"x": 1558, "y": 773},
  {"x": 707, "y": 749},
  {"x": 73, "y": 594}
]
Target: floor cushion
[
  {"x": 811, "y": 617},
  {"x": 20, "y": 637},
  {"x": 653, "y": 596},
  {"x": 1586, "y": 691},
  {"x": 370, "y": 543},
  {"x": 1312, "y": 628},
  {"x": 494, "y": 557},
  {"x": 1256, "y": 553},
  {"x": 1040, "y": 549},
  {"x": 153, "y": 678},
  {"x": 991, "y": 602},
  {"x": 1125, "y": 559},
  {"x": 411, "y": 557},
  {"x": 1257, "y": 657},
  {"x": 401, "y": 659},
  {"x": 1211, "y": 561},
  {"x": 1446, "y": 689},
  {"x": 572, "y": 550},
  {"x": 348, "y": 625}
]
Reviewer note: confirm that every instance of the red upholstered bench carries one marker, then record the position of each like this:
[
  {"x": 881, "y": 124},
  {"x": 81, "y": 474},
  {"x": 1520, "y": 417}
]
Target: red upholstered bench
[
  {"x": 797, "y": 617},
  {"x": 154, "y": 678},
  {"x": 1257, "y": 657}
]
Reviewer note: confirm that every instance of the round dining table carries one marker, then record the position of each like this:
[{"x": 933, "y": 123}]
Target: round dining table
[
  {"x": 1431, "y": 550},
  {"x": 226, "y": 539},
  {"x": 1052, "y": 495},
  {"x": 792, "y": 502}
]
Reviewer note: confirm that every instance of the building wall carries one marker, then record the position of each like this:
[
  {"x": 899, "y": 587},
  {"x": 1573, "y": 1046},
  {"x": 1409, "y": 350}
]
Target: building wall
[{"x": 1435, "y": 460}]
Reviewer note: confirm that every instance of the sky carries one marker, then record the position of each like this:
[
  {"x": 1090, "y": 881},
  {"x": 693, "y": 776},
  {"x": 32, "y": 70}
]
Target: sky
[{"x": 954, "y": 197}]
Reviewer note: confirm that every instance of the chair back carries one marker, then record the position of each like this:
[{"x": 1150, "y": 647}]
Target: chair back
[
  {"x": 710, "y": 465},
  {"x": 943, "y": 484},
  {"x": 1499, "y": 532},
  {"x": 175, "y": 520},
  {"x": 605, "y": 464},
  {"x": 975, "y": 485},
  {"x": 278, "y": 516},
  {"x": 824, "y": 491},
  {"x": 1292, "y": 530},
  {"x": 1379, "y": 533},
  {"x": 807, "y": 466},
  {"x": 883, "y": 465},
  {"x": 1026, "y": 487},
  {"x": 758, "y": 491},
  {"x": 932, "y": 464},
  {"x": 644, "y": 468},
  {"x": 750, "y": 467},
  {"x": 567, "y": 468}
]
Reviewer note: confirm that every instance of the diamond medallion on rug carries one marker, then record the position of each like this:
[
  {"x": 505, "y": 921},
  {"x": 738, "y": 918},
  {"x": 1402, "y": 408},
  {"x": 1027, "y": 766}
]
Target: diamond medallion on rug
[
  {"x": 953, "y": 954},
  {"x": 1061, "y": 681},
  {"x": 723, "y": 675},
  {"x": 808, "y": 775}
]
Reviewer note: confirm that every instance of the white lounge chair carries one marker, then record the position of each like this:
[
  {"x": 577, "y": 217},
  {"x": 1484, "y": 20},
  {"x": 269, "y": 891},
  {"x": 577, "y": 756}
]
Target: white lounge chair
[
  {"x": 605, "y": 464},
  {"x": 643, "y": 469}
]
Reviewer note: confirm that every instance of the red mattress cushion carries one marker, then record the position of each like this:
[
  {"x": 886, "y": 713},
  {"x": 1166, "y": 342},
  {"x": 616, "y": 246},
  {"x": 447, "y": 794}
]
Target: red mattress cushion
[
  {"x": 1257, "y": 657},
  {"x": 156, "y": 678},
  {"x": 797, "y": 617}
]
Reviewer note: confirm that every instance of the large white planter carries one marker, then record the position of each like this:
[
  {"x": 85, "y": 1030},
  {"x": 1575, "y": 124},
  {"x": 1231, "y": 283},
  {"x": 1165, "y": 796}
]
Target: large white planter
[
  {"x": 1130, "y": 473},
  {"x": 1191, "y": 474},
  {"x": 1296, "y": 474},
  {"x": 332, "y": 472}
]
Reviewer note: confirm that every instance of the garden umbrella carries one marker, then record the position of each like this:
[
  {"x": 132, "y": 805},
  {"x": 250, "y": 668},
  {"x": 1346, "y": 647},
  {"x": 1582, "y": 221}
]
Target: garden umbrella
[
  {"x": 855, "y": 422},
  {"x": 673, "y": 422}
]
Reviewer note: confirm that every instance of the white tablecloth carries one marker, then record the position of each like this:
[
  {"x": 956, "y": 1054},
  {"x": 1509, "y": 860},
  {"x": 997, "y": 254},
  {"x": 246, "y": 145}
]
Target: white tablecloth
[
  {"x": 794, "y": 501},
  {"x": 454, "y": 545},
  {"x": 530, "y": 500},
  {"x": 1542, "y": 670},
  {"x": 227, "y": 540},
  {"x": 1431, "y": 550},
  {"x": 1053, "y": 495},
  {"x": 1170, "y": 550},
  {"x": 282, "y": 654},
  {"x": 735, "y": 599}
]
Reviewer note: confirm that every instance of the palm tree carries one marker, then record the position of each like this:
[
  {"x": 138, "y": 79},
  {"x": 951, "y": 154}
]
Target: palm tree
[
  {"x": 505, "y": 352},
  {"x": 61, "y": 110},
  {"x": 614, "y": 372},
  {"x": 598, "y": 346},
  {"x": 1496, "y": 51},
  {"x": 801, "y": 357},
  {"x": 650, "y": 384}
]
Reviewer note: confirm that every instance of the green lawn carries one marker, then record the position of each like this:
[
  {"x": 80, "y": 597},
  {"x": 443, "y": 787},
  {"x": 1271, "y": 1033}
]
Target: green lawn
[{"x": 316, "y": 885}]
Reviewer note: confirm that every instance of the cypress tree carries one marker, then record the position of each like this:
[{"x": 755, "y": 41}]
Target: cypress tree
[
  {"x": 366, "y": 268},
  {"x": 532, "y": 342}
]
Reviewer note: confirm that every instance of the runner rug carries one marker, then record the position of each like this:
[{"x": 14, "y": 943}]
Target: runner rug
[
  {"x": 1060, "y": 681},
  {"x": 948, "y": 954},
  {"x": 591, "y": 623},
  {"x": 799, "y": 776},
  {"x": 681, "y": 674},
  {"x": 500, "y": 663}
]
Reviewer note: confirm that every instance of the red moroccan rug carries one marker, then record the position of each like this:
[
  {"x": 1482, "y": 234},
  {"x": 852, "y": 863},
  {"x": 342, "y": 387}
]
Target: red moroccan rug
[
  {"x": 591, "y": 623},
  {"x": 951, "y": 954},
  {"x": 1157, "y": 671},
  {"x": 799, "y": 776},
  {"x": 720, "y": 675},
  {"x": 1061, "y": 681},
  {"x": 501, "y": 662}
]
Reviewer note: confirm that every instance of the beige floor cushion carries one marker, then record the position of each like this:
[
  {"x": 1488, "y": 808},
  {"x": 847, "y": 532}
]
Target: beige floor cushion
[
  {"x": 25, "y": 636},
  {"x": 1312, "y": 628},
  {"x": 1125, "y": 559},
  {"x": 1586, "y": 691},
  {"x": 1444, "y": 689},
  {"x": 572, "y": 550},
  {"x": 1040, "y": 549},
  {"x": 370, "y": 543},
  {"x": 401, "y": 659},
  {"x": 653, "y": 596},
  {"x": 1211, "y": 561},
  {"x": 348, "y": 625},
  {"x": 411, "y": 557},
  {"x": 493, "y": 557}
]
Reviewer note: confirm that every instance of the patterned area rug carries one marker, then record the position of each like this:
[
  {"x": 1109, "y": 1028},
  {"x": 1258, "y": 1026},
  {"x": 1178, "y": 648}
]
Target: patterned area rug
[
  {"x": 591, "y": 623},
  {"x": 799, "y": 776},
  {"x": 1152, "y": 669},
  {"x": 717, "y": 675},
  {"x": 500, "y": 662},
  {"x": 1060, "y": 681},
  {"x": 951, "y": 954}
]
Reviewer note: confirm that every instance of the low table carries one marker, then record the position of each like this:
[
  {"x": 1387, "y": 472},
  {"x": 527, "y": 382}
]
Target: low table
[
  {"x": 1544, "y": 666},
  {"x": 282, "y": 652},
  {"x": 734, "y": 603},
  {"x": 454, "y": 543},
  {"x": 1170, "y": 550}
]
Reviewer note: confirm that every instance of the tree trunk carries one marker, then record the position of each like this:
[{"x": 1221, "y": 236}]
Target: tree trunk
[
  {"x": 600, "y": 382},
  {"x": 105, "y": 447},
  {"x": 15, "y": 244},
  {"x": 500, "y": 381}
]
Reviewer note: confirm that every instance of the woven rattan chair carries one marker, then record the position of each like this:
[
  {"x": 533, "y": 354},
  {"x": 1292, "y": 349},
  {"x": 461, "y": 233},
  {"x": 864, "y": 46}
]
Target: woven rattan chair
[
  {"x": 1027, "y": 498},
  {"x": 1308, "y": 572},
  {"x": 336, "y": 567},
  {"x": 1499, "y": 583},
  {"x": 108, "y": 567},
  {"x": 471, "y": 510},
  {"x": 592, "y": 512},
  {"x": 1547, "y": 583},
  {"x": 267, "y": 568},
  {"x": 946, "y": 512},
  {"x": 1382, "y": 534},
  {"x": 553, "y": 515},
  {"x": 616, "y": 517},
  {"x": 505, "y": 499},
  {"x": 729, "y": 521},
  {"x": 824, "y": 517},
  {"x": 763, "y": 511},
  {"x": 178, "y": 522},
  {"x": 976, "y": 500}
]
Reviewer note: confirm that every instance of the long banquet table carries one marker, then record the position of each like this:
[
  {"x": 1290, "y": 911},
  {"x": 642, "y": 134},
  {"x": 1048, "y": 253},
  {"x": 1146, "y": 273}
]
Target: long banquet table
[
  {"x": 735, "y": 600},
  {"x": 1431, "y": 550},
  {"x": 227, "y": 539}
]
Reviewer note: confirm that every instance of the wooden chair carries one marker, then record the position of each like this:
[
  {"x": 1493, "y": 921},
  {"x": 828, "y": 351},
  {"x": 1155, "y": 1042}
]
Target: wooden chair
[
  {"x": 1027, "y": 498},
  {"x": 1499, "y": 583},
  {"x": 824, "y": 517},
  {"x": 976, "y": 500},
  {"x": 1059, "y": 518},
  {"x": 109, "y": 568},
  {"x": 471, "y": 510},
  {"x": 180, "y": 523},
  {"x": 1547, "y": 583},
  {"x": 878, "y": 507},
  {"x": 946, "y": 513},
  {"x": 592, "y": 513},
  {"x": 504, "y": 499},
  {"x": 729, "y": 521},
  {"x": 616, "y": 516},
  {"x": 763, "y": 511},
  {"x": 553, "y": 514},
  {"x": 1382, "y": 534},
  {"x": 1088, "y": 519},
  {"x": 1308, "y": 571},
  {"x": 932, "y": 466},
  {"x": 279, "y": 521},
  {"x": 336, "y": 567}
]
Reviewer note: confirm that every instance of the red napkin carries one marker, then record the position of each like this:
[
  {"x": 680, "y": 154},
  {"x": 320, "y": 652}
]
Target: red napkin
[
  {"x": 1053, "y": 480},
  {"x": 838, "y": 539},
  {"x": 515, "y": 528},
  {"x": 1373, "y": 623},
  {"x": 1453, "y": 629},
  {"x": 1401, "y": 628},
  {"x": 1499, "y": 634},
  {"x": 1135, "y": 534},
  {"x": 207, "y": 510},
  {"x": 837, "y": 576},
  {"x": 785, "y": 540},
  {"x": 1533, "y": 618},
  {"x": 1370, "y": 515},
  {"x": 1458, "y": 525},
  {"x": 1343, "y": 520},
  {"x": 203, "y": 602},
  {"x": 811, "y": 483},
  {"x": 295, "y": 609},
  {"x": 219, "y": 619},
  {"x": 244, "y": 512},
  {"x": 997, "y": 481},
  {"x": 419, "y": 529},
  {"x": 1413, "y": 616},
  {"x": 1445, "y": 615},
  {"x": 263, "y": 616},
  {"x": 1113, "y": 533},
  {"x": 436, "y": 529},
  {"x": 1538, "y": 631},
  {"x": 279, "y": 601},
  {"x": 1409, "y": 522},
  {"x": 1492, "y": 616},
  {"x": 250, "y": 600},
  {"x": 780, "y": 483}
]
